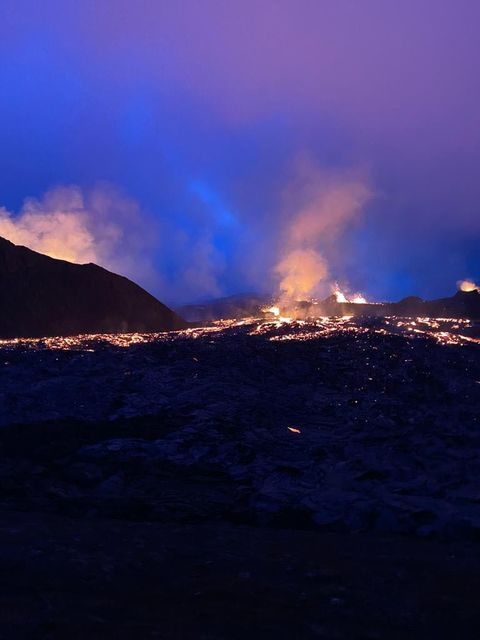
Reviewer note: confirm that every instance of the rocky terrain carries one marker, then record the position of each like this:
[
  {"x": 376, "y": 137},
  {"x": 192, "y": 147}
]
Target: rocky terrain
[
  {"x": 463, "y": 304},
  {"x": 352, "y": 429},
  {"x": 286, "y": 438},
  {"x": 231, "y": 307},
  {"x": 41, "y": 296}
]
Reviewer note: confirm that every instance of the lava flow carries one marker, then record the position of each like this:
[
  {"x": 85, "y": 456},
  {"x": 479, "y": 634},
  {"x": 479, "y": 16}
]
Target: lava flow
[
  {"x": 299, "y": 320},
  {"x": 274, "y": 327}
]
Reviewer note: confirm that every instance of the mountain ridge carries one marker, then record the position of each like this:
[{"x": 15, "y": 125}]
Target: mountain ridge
[
  {"x": 43, "y": 296},
  {"x": 462, "y": 304}
]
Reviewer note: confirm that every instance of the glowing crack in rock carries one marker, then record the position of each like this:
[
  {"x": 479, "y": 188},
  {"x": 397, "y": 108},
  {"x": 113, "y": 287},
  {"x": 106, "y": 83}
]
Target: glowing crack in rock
[{"x": 294, "y": 429}]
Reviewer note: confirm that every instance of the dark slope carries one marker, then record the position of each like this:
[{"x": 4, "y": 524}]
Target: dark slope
[
  {"x": 237, "y": 306},
  {"x": 461, "y": 305},
  {"x": 41, "y": 296}
]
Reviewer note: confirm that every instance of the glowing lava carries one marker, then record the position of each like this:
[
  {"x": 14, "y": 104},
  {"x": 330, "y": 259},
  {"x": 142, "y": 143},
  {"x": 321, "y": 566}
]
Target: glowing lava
[
  {"x": 340, "y": 297},
  {"x": 273, "y": 310},
  {"x": 276, "y": 313},
  {"x": 445, "y": 331},
  {"x": 294, "y": 429},
  {"x": 467, "y": 286}
]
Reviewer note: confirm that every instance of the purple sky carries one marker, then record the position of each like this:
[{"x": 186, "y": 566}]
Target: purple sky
[{"x": 198, "y": 110}]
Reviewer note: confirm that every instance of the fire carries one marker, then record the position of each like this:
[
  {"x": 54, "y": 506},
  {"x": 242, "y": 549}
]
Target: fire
[
  {"x": 277, "y": 314},
  {"x": 468, "y": 285},
  {"x": 340, "y": 297},
  {"x": 274, "y": 310}
]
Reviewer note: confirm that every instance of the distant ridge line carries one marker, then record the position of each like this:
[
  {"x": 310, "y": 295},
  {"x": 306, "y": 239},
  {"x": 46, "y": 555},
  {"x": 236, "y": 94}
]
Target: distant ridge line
[{"x": 42, "y": 296}]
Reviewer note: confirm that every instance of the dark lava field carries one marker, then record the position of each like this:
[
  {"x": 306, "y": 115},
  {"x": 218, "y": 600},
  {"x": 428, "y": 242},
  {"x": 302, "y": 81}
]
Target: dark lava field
[{"x": 273, "y": 479}]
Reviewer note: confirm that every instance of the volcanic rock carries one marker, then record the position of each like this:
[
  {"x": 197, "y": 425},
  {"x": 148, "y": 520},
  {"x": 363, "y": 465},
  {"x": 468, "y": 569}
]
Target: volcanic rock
[
  {"x": 238, "y": 306},
  {"x": 463, "y": 304},
  {"x": 346, "y": 425},
  {"x": 41, "y": 296}
]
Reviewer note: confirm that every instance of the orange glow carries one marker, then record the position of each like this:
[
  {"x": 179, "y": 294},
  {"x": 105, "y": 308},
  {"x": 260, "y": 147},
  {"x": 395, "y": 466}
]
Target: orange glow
[
  {"x": 341, "y": 297},
  {"x": 273, "y": 310},
  {"x": 467, "y": 285},
  {"x": 446, "y": 331},
  {"x": 294, "y": 429}
]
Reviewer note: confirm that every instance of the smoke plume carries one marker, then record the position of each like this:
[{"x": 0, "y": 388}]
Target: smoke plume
[
  {"x": 319, "y": 207},
  {"x": 99, "y": 225},
  {"x": 104, "y": 226}
]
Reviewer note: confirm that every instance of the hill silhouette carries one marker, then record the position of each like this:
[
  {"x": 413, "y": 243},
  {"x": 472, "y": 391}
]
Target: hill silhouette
[
  {"x": 41, "y": 296},
  {"x": 462, "y": 304}
]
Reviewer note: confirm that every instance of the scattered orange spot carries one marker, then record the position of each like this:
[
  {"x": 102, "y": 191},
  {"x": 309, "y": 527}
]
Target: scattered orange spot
[{"x": 294, "y": 429}]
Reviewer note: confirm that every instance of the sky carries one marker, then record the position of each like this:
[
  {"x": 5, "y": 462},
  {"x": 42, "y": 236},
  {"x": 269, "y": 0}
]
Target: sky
[{"x": 203, "y": 147}]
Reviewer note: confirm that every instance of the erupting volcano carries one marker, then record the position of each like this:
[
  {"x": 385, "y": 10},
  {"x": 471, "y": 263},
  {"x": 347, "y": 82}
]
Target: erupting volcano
[
  {"x": 284, "y": 417},
  {"x": 240, "y": 319}
]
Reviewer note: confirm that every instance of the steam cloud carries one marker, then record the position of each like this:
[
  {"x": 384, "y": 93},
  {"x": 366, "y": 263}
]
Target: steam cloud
[
  {"x": 319, "y": 205},
  {"x": 99, "y": 225},
  {"x": 104, "y": 226},
  {"x": 63, "y": 225}
]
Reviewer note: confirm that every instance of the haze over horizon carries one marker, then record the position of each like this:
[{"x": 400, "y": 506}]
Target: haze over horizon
[{"x": 201, "y": 148}]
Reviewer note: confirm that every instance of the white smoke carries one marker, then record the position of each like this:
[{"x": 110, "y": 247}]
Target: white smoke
[
  {"x": 319, "y": 206},
  {"x": 104, "y": 226},
  {"x": 100, "y": 225},
  {"x": 203, "y": 267}
]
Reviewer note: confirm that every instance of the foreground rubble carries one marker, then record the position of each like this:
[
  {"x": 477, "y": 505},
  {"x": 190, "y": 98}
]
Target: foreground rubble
[
  {"x": 105, "y": 579},
  {"x": 259, "y": 479},
  {"x": 345, "y": 425}
]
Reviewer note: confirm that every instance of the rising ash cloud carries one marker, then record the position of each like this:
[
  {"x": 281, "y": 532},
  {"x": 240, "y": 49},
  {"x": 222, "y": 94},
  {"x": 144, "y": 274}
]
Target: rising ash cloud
[{"x": 198, "y": 112}]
